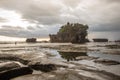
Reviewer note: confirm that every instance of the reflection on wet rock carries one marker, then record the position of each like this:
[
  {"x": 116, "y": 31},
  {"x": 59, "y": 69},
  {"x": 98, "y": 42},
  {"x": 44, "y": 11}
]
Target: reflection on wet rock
[{"x": 71, "y": 56}]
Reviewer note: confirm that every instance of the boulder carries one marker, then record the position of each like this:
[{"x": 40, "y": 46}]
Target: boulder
[{"x": 7, "y": 75}]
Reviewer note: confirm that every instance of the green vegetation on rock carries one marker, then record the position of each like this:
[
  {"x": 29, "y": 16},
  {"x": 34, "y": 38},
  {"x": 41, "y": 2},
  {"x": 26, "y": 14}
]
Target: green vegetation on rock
[{"x": 71, "y": 32}]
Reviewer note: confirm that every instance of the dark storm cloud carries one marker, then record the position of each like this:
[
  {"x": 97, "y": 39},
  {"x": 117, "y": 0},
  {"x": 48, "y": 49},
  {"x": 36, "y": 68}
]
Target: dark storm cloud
[
  {"x": 11, "y": 31},
  {"x": 100, "y": 15},
  {"x": 43, "y": 11}
]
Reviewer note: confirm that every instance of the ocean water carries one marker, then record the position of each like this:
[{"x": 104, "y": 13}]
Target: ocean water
[
  {"x": 10, "y": 39},
  {"x": 23, "y": 47},
  {"x": 112, "y": 36},
  {"x": 14, "y": 39}
]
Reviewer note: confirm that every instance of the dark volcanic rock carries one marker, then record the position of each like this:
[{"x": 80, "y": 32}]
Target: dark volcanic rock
[
  {"x": 8, "y": 65},
  {"x": 7, "y": 75},
  {"x": 31, "y": 40},
  {"x": 43, "y": 67}
]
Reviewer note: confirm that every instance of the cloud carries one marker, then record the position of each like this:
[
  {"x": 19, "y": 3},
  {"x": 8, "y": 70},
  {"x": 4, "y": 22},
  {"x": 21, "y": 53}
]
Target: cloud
[
  {"x": 35, "y": 10},
  {"x": 71, "y": 3},
  {"x": 38, "y": 31},
  {"x": 46, "y": 16},
  {"x": 3, "y": 20}
]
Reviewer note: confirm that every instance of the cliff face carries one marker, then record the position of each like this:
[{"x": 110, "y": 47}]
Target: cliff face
[{"x": 75, "y": 33}]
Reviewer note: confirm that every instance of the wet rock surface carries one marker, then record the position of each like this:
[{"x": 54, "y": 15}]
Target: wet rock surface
[
  {"x": 114, "y": 46},
  {"x": 11, "y": 57},
  {"x": 69, "y": 74},
  {"x": 43, "y": 67},
  {"x": 107, "y": 62},
  {"x": 58, "y": 75},
  {"x": 83, "y": 64},
  {"x": 8, "y": 65},
  {"x": 102, "y": 75},
  {"x": 86, "y": 58}
]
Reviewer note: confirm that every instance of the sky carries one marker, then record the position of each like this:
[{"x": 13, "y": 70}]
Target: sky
[{"x": 39, "y": 18}]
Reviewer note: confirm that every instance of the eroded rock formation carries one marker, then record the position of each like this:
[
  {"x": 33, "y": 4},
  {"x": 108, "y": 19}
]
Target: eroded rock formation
[
  {"x": 31, "y": 40},
  {"x": 75, "y": 33}
]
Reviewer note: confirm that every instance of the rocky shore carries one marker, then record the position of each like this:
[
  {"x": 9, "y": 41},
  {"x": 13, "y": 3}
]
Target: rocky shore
[{"x": 68, "y": 66}]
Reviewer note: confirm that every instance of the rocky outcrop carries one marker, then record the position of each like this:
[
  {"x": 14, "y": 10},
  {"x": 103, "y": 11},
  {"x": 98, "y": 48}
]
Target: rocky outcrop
[
  {"x": 100, "y": 40},
  {"x": 31, "y": 40},
  {"x": 75, "y": 33},
  {"x": 7, "y": 75}
]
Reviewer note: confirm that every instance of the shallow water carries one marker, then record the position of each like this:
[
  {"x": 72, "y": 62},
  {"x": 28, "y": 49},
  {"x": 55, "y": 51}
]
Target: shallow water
[
  {"x": 72, "y": 55},
  {"x": 69, "y": 56},
  {"x": 36, "y": 48}
]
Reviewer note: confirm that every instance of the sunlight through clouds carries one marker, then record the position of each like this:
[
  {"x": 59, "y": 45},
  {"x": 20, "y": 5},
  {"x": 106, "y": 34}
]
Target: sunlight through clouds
[{"x": 13, "y": 19}]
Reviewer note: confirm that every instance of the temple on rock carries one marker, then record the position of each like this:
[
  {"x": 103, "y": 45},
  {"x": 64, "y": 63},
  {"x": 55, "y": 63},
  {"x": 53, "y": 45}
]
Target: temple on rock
[{"x": 71, "y": 32}]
